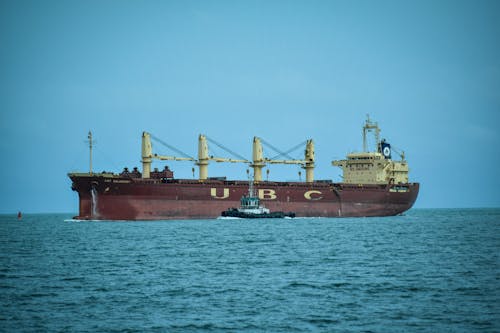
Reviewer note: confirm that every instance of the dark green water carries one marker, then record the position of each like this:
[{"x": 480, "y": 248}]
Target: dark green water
[{"x": 427, "y": 271}]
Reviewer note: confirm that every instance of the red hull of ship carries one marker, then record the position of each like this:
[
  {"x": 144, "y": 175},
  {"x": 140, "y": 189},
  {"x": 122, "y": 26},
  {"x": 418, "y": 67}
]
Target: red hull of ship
[{"x": 115, "y": 198}]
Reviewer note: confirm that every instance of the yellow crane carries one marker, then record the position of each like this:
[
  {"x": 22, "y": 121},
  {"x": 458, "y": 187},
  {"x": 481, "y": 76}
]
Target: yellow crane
[
  {"x": 259, "y": 161},
  {"x": 204, "y": 157},
  {"x": 148, "y": 156},
  {"x": 201, "y": 162}
]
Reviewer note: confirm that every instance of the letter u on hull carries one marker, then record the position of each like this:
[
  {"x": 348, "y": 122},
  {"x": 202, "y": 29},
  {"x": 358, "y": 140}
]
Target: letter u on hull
[{"x": 213, "y": 193}]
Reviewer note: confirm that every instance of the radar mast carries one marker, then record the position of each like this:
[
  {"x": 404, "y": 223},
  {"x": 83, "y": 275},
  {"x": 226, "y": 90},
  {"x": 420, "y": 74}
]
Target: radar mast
[{"x": 369, "y": 126}]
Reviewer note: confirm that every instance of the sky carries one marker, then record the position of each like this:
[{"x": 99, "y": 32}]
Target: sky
[{"x": 427, "y": 71}]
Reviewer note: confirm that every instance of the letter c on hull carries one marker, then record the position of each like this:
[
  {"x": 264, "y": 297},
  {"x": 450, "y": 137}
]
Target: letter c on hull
[
  {"x": 213, "y": 193},
  {"x": 309, "y": 195}
]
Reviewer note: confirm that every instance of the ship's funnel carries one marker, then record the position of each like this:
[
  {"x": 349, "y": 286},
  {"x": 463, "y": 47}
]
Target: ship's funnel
[{"x": 147, "y": 153}]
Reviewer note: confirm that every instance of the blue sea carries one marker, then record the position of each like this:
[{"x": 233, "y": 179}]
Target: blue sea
[{"x": 426, "y": 271}]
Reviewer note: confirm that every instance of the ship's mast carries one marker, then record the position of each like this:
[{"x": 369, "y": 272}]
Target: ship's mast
[
  {"x": 369, "y": 126},
  {"x": 90, "y": 151},
  {"x": 251, "y": 190}
]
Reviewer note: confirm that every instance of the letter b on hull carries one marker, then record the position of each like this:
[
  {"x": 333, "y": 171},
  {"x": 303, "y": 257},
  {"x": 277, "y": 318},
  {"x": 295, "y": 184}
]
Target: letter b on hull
[
  {"x": 213, "y": 193},
  {"x": 267, "y": 194}
]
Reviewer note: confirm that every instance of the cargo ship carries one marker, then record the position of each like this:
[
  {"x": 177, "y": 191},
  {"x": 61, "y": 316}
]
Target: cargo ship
[{"x": 373, "y": 184}]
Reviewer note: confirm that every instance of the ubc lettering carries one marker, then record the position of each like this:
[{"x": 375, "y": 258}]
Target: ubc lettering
[{"x": 225, "y": 194}]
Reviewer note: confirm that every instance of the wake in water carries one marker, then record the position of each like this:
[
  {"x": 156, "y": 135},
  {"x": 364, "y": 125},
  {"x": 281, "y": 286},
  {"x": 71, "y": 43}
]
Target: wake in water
[{"x": 93, "y": 193}]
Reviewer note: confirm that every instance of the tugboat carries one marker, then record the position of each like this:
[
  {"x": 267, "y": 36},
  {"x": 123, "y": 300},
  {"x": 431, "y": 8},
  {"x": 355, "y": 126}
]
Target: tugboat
[{"x": 251, "y": 208}]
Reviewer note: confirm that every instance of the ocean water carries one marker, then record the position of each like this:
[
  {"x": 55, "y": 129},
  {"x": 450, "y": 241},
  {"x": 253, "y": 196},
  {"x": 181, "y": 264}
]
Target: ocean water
[{"x": 426, "y": 271}]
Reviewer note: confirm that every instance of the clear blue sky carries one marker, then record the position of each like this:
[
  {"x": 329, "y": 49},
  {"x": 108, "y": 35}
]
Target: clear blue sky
[{"x": 427, "y": 71}]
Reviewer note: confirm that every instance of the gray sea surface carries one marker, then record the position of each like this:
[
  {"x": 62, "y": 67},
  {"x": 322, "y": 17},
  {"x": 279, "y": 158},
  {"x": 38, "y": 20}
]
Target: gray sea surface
[{"x": 427, "y": 271}]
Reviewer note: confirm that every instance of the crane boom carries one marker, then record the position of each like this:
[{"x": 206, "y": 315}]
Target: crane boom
[
  {"x": 285, "y": 161},
  {"x": 230, "y": 160},
  {"x": 172, "y": 158}
]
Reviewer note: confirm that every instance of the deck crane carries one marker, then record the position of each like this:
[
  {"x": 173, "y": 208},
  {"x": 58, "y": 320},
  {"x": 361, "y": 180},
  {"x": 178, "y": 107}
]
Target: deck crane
[
  {"x": 148, "y": 156},
  {"x": 201, "y": 162},
  {"x": 259, "y": 161},
  {"x": 204, "y": 157}
]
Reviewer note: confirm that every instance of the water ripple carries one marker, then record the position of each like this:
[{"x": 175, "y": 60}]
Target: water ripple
[{"x": 427, "y": 271}]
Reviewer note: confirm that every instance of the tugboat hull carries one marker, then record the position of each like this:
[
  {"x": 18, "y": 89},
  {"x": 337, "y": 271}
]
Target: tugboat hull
[{"x": 235, "y": 213}]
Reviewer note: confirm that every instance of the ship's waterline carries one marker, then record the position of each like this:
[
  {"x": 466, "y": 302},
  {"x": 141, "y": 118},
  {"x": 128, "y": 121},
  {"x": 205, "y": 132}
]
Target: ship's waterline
[{"x": 184, "y": 199}]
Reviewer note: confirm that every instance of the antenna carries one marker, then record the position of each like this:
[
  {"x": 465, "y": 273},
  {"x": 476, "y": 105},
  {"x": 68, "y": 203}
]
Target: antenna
[{"x": 251, "y": 191}]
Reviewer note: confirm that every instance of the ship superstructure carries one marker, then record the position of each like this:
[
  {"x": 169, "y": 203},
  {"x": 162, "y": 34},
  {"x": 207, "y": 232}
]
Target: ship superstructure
[
  {"x": 373, "y": 185},
  {"x": 373, "y": 167}
]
